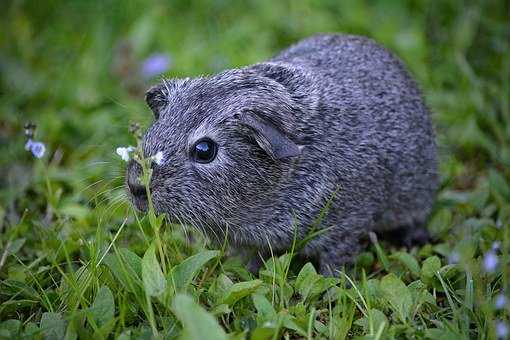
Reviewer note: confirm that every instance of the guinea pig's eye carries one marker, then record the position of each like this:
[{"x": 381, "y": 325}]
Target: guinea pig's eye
[{"x": 204, "y": 151}]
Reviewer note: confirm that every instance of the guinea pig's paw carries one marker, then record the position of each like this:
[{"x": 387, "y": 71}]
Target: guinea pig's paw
[{"x": 333, "y": 261}]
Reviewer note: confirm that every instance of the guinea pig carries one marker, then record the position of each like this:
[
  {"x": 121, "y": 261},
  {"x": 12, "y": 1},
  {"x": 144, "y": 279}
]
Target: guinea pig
[{"x": 334, "y": 123}]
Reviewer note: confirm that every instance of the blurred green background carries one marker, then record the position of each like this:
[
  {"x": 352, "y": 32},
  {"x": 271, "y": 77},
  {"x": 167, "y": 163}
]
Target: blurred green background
[
  {"x": 74, "y": 68},
  {"x": 62, "y": 61}
]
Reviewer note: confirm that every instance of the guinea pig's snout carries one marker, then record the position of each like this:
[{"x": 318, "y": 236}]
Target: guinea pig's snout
[{"x": 136, "y": 188}]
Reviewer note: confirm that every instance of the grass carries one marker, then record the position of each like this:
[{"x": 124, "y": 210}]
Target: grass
[{"x": 77, "y": 261}]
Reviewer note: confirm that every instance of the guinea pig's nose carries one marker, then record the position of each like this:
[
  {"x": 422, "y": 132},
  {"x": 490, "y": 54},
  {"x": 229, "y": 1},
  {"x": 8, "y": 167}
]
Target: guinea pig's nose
[{"x": 136, "y": 188}]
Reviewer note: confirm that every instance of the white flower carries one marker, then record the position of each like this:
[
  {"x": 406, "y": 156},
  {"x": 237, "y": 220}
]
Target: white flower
[
  {"x": 28, "y": 144},
  {"x": 37, "y": 148},
  {"x": 490, "y": 261},
  {"x": 158, "y": 158},
  {"x": 124, "y": 152}
]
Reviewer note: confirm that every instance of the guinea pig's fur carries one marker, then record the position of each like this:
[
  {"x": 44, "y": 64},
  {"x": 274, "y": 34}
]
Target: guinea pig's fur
[{"x": 334, "y": 118}]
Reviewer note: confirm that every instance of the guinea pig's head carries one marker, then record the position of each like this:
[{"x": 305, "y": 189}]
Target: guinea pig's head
[{"x": 228, "y": 143}]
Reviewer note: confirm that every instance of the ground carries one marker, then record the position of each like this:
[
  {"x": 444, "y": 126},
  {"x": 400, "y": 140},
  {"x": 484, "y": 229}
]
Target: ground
[{"x": 77, "y": 261}]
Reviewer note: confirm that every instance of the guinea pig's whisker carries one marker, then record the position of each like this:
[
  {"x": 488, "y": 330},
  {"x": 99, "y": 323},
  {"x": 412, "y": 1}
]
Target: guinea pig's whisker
[
  {"x": 103, "y": 198},
  {"x": 189, "y": 218},
  {"x": 90, "y": 177},
  {"x": 106, "y": 191},
  {"x": 112, "y": 209},
  {"x": 197, "y": 224},
  {"x": 118, "y": 200},
  {"x": 90, "y": 185},
  {"x": 105, "y": 184},
  {"x": 213, "y": 232},
  {"x": 182, "y": 221},
  {"x": 183, "y": 227}
]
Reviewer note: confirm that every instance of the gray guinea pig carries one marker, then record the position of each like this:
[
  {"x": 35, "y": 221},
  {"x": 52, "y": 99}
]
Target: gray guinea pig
[{"x": 256, "y": 153}]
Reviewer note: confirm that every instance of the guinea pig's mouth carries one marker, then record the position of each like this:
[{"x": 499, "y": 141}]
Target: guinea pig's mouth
[
  {"x": 141, "y": 204},
  {"x": 136, "y": 190},
  {"x": 138, "y": 197},
  {"x": 139, "y": 200}
]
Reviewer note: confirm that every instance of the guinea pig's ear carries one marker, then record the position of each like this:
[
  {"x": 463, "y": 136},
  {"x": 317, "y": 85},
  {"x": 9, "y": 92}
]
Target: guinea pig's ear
[
  {"x": 156, "y": 97},
  {"x": 286, "y": 75},
  {"x": 273, "y": 141}
]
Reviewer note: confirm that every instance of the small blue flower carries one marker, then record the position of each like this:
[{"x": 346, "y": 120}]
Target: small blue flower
[
  {"x": 501, "y": 330},
  {"x": 454, "y": 257},
  {"x": 37, "y": 148},
  {"x": 490, "y": 261},
  {"x": 500, "y": 301},
  {"x": 499, "y": 223},
  {"x": 155, "y": 65},
  {"x": 496, "y": 245}
]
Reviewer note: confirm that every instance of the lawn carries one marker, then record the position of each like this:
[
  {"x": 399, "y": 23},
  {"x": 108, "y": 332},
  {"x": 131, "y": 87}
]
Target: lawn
[{"x": 77, "y": 261}]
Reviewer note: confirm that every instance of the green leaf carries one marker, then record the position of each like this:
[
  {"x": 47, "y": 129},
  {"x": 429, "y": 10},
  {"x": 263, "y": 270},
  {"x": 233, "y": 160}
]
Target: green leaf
[
  {"x": 52, "y": 325},
  {"x": 12, "y": 326},
  {"x": 408, "y": 261},
  {"x": 15, "y": 246},
  {"x": 288, "y": 321},
  {"x": 373, "y": 321},
  {"x": 219, "y": 288},
  {"x": 31, "y": 331},
  {"x": 398, "y": 295},
  {"x": 13, "y": 305},
  {"x": 307, "y": 280},
  {"x": 420, "y": 294},
  {"x": 156, "y": 221},
  {"x": 441, "y": 334},
  {"x": 103, "y": 308},
  {"x": 263, "y": 333},
  {"x": 182, "y": 274},
  {"x": 240, "y": 290},
  {"x": 18, "y": 289},
  {"x": 265, "y": 310},
  {"x": 220, "y": 309},
  {"x": 197, "y": 323},
  {"x": 125, "y": 335},
  {"x": 126, "y": 266},
  {"x": 365, "y": 259},
  {"x": 429, "y": 269},
  {"x": 152, "y": 276},
  {"x": 381, "y": 255},
  {"x": 499, "y": 184},
  {"x": 440, "y": 223},
  {"x": 72, "y": 329}
]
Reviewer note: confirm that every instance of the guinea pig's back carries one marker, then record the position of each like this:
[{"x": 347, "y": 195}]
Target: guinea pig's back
[{"x": 376, "y": 113}]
